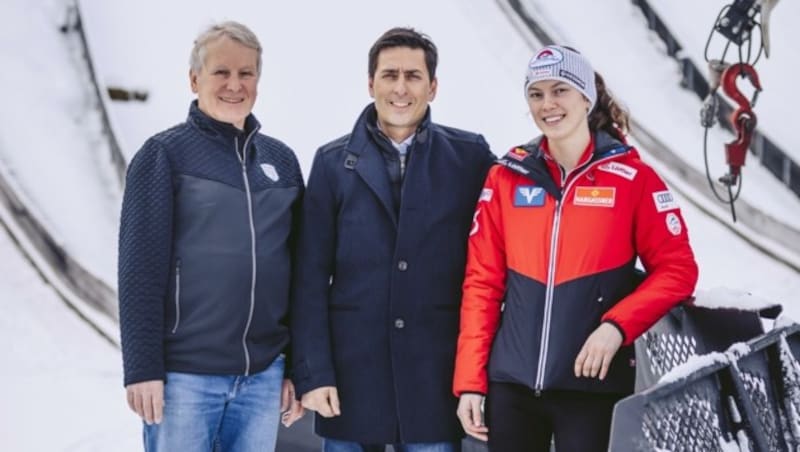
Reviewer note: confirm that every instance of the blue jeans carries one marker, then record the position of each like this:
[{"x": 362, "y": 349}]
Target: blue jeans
[
  {"x": 219, "y": 413},
  {"x": 334, "y": 445}
]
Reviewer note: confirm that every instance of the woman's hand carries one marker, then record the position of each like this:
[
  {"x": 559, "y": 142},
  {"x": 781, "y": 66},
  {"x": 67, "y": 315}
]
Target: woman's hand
[
  {"x": 597, "y": 352},
  {"x": 471, "y": 416}
]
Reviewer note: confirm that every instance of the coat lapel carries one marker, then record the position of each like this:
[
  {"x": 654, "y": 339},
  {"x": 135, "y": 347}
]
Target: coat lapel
[{"x": 372, "y": 169}]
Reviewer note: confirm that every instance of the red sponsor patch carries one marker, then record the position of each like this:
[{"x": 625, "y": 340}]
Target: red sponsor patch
[
  {"x": 518, "y": 154},
  {"x": 595, "y": 196}
]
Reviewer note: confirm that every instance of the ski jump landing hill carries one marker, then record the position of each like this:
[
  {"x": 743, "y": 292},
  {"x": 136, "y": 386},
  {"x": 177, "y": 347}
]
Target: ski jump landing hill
[{"x": 732, "y": 394}]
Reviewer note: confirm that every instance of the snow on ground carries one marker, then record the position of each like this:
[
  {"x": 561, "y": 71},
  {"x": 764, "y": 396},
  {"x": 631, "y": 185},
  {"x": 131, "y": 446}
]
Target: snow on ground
[
  {"x": 63, "y": 381},
  {"x": 313, "y": 86},
  {"x": 50, "y": 136}
]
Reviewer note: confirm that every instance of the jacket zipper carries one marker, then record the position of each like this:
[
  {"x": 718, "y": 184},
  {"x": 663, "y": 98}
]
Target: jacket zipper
[
  {"x": 551, "y": 274},
  {"x": 243, "y": 160},
  {"x": 177, "y": 296},
  {"x": 548, "y": 299}
]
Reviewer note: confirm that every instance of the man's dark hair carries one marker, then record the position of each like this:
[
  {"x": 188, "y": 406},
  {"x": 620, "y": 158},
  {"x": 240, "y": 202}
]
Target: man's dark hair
[{"x": 404, "y": 37}]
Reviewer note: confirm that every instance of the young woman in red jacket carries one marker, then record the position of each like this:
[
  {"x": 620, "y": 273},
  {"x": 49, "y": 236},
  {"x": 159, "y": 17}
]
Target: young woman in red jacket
[{"x": 552, "y": 301}]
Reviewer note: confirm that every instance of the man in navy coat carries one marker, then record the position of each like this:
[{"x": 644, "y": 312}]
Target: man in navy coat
[{"x": 381, "y": 256}]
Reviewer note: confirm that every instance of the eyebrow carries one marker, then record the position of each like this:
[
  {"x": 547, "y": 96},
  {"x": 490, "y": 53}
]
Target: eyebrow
[
  {"x": 225, "y": 67},
  {"x": 397, "y": 71}
]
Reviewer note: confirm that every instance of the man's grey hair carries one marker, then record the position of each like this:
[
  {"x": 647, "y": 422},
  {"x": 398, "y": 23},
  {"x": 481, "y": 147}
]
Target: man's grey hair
[{"x": 233, "y": 30}]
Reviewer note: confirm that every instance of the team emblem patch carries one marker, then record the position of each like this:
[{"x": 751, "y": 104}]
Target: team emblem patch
[
  {"x": 595, "y": 196},
  {"x": 620, "y": 169},
  {"x": 486, "y": 195},
  {"x": 546, "y": 57},
  {"x": 529, "y": 196},
  {"x": 270, "y": 172},
  {"x": 674, "y": 224},
  {"x": 518, "y": 154},
  {"x": 664, "y": 201}
]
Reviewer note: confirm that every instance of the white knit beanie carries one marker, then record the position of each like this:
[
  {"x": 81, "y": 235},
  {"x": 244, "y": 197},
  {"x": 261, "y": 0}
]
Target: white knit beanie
[{"x": 563, "y": 64}]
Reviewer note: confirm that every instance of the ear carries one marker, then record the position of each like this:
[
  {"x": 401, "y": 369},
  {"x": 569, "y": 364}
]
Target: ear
[
  {"x": 193, "y": 80},
  {"x": 434, "y": 87},
  {"x": 371, "y": 85}
]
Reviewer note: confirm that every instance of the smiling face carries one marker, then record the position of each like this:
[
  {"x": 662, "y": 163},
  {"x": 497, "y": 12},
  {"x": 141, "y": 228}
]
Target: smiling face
[
  {"x": 226, "y": 86},
  {"x": 402, "y": 89},
  {"x": 559, "y": 110}
]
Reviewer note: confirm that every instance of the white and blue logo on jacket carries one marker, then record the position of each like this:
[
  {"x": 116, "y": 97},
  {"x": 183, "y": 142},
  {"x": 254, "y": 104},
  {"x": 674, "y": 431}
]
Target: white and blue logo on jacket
[{"x": 529, "y": 196}]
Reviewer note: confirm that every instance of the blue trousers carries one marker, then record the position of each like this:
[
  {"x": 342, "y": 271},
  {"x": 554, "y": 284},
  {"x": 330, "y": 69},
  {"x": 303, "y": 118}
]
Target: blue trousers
[{"x": 219, "y": 413}]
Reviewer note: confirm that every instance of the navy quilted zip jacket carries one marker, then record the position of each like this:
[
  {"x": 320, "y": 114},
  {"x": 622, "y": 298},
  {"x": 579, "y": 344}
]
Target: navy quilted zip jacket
[{"x": 205, "y": 250}]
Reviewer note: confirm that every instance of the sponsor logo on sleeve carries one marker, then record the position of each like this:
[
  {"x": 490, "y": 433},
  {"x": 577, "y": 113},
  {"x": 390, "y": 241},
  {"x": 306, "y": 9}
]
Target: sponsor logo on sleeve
[
  {"x": 518, "y": 154},
  {"x": 486, "y": 195},
  {"x": 475, "y": 225},
  {"x": 674, "y": 224},
  {"x": 529, "y": 196},
  {"x": 620, "y": 169},
  {"x": 595, "y": 196},
  {"x": 664, "y": 201},
  {"x": 270, "y": 172}
]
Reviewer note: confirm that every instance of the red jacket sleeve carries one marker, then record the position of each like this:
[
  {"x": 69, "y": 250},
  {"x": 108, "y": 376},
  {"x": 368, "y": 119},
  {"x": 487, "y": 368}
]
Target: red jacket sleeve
[
  {"x": 662, "y": 243},
  {"x": 484, "y": 286}
]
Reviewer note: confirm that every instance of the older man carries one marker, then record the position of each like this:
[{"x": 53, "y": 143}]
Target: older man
[{"x": 204, "y": 264}]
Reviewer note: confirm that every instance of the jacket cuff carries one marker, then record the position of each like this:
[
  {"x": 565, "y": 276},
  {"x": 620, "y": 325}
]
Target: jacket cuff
[
  {"x": 138, "y": 377},
  {"x": 619, "y": 328},
  {"x": 305, "y": 381}
]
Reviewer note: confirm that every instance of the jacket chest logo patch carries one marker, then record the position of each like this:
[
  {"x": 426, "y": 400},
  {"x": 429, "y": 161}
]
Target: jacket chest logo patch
[
  {"x": 595, "y": 196},
  {"x": 518, "y": 154},
  {"x": 529, "y": 196},
  {"x": 620, "y": 169},
  {"x": 270, "y": 172}
]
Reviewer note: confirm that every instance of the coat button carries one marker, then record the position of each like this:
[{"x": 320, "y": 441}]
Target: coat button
[
  {"x": 399, "y": 324},
  {"x": 402, "y": 266}
]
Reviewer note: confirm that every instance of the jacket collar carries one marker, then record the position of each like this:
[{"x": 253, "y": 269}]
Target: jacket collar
[
  {"x": 529, "y": 159},
  {"x": 221, "y": 130},
  {"x": 366, "y": 128},
  {"x": 365, "y": 159}
]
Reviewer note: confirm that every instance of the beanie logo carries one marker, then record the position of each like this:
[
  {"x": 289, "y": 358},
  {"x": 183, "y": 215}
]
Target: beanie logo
[
  {"x": 572, "y": 78},
  {"x": 546, "y": 57}
]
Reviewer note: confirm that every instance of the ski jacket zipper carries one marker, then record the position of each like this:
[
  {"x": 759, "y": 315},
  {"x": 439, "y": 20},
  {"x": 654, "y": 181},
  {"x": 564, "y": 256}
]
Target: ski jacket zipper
[
  {"x": 243, "y": 160},
  {"x": 551, "y": 272}
]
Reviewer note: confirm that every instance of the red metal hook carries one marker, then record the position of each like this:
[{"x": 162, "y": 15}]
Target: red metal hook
[{"x": 743, "y": 118}]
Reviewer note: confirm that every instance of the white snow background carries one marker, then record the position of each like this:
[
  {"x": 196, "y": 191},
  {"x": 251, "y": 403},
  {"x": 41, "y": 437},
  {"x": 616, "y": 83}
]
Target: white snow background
[{"x": 64, "y": 383}]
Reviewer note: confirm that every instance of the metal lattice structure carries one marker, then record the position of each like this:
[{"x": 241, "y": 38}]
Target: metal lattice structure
[
  {"x": 748, "y": 401},
  {"x": 667, "y": 351},
  {"x": 687, "y": 422}
]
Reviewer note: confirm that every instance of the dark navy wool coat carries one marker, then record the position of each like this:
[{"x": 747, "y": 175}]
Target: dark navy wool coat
[{"x": 376, "y": 292}]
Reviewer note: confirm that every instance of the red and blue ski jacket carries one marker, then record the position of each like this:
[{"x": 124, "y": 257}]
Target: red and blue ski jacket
[{"x": 552, "y": 255}]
